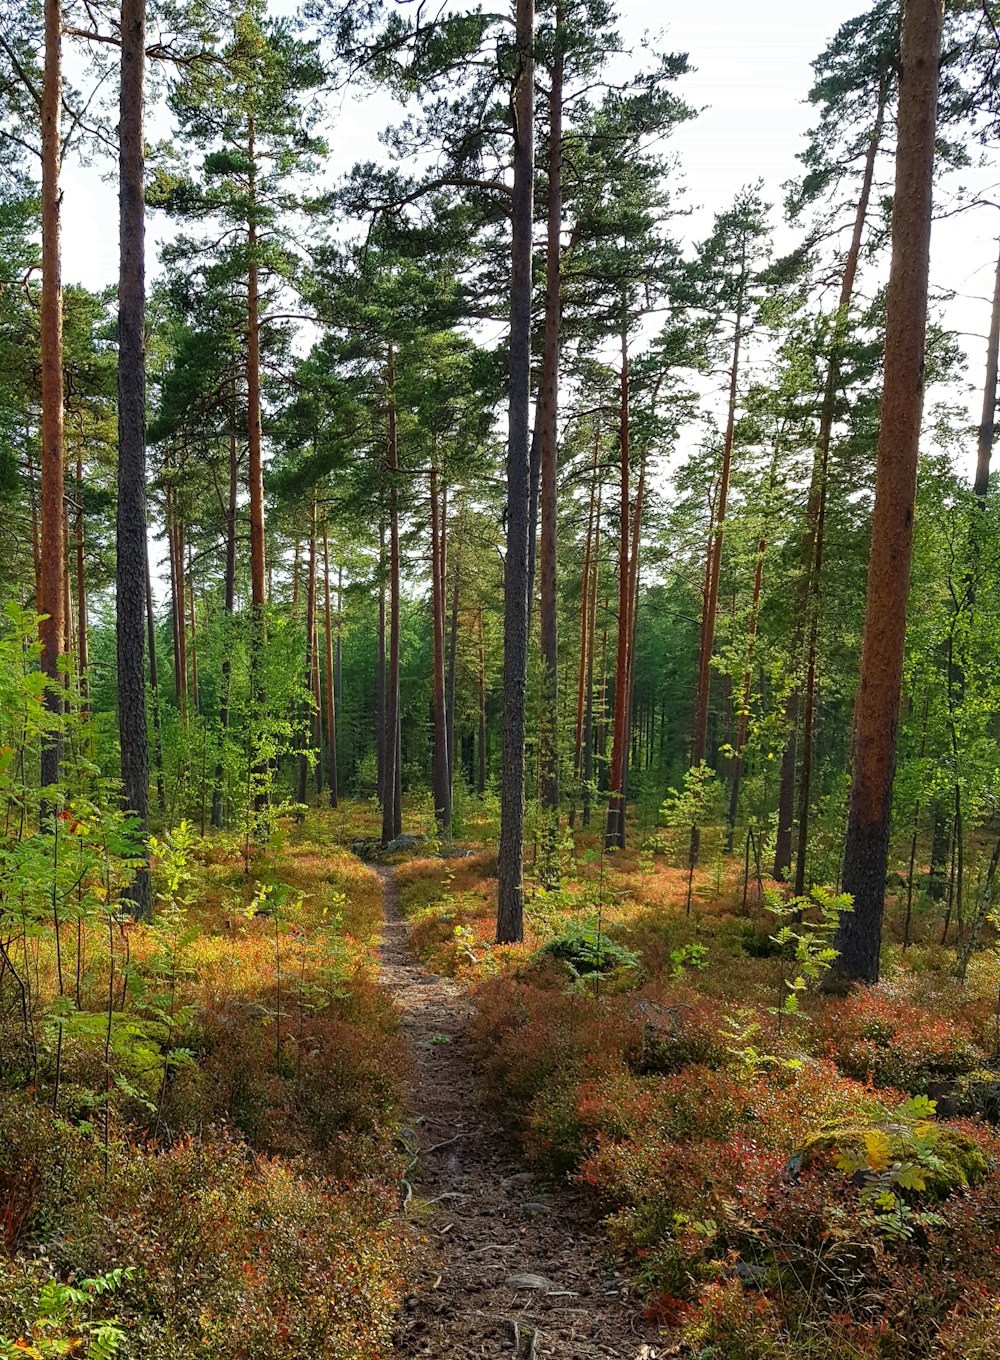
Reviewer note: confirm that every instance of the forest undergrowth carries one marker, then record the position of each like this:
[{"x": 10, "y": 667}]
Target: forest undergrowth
[
  {"x": 789, "y": 1171},
  {"x": 198, "y": 1113}
]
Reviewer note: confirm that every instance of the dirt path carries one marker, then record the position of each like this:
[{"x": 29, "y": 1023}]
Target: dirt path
[{"x": 512, "y": 1269}]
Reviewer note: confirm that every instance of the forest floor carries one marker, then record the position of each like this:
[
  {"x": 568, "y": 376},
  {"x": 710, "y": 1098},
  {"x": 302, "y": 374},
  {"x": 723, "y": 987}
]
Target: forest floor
[{"x": 510, "y": 1266}]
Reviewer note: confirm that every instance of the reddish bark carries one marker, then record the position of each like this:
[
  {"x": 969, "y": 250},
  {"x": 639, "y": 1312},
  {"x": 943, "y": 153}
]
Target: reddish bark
[{"x": 877, "y": 714}]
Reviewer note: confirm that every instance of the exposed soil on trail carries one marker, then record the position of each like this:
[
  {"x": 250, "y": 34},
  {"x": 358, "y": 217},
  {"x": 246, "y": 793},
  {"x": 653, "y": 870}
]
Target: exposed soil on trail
[{"x": 512, "y": 1268}]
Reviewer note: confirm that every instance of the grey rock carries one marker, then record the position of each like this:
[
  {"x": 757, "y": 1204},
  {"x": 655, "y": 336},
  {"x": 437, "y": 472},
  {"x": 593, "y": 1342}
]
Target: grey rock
[{"x": 526, "y": 1281}]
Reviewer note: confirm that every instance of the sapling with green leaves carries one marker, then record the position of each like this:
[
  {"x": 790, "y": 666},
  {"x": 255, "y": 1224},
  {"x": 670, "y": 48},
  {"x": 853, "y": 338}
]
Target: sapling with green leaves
[{"x": 804, "y": 940}]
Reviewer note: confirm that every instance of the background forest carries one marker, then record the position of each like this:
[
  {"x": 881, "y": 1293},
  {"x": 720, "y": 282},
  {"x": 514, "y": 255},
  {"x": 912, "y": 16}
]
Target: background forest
[{"x": 628, "y": 589}]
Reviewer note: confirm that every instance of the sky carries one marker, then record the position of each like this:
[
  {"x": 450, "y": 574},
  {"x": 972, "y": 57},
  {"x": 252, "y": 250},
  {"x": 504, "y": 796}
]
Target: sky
[{"x": 751, "y": 80}]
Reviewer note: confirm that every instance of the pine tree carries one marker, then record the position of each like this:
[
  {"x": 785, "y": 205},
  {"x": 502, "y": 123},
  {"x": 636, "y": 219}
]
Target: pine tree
[{"x": 877, "y": 715}]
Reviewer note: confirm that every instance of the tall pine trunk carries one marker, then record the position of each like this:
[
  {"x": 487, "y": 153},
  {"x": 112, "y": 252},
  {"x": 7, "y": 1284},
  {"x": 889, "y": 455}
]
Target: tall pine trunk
[
  {"x": 229, "y": 601},
  {"x": 154, "y": 685},
  {"x": 441, "y": 773},
  {"x": 859, "y": 935},
  {"x": 332, "y": 777},
  {"x": 510, "y": 890},
  {"x": 581, "y": 678},
  {"x": 548, "y": 411},
  {"x": 392, "y": 823},
  {"x": 588, "y": 722},
  {"x": 82, "y": 620},
  {"x": 255, "y": 472},
  {"x": 481, "y": 741},
  {"x": 130, "y": 560},
  {"x": 380, "y": 754},
  {"x": 311, "y": 657},
  {"x": 449, "y": 688},
  {"x": 711, "y": 602},
  {"x": 807, "y": 611},
  {"x": 743, "y": 715},
  {"x": 53, "y": 546},
  {"x": 616, "y": 779}
]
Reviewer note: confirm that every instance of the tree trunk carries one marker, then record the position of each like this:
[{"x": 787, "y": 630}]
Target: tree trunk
[
  {"x": 195, "y": 700},
  {"x": 175, "y": 532},
  {"x": 548, "y": 412},
  {"x": 630, "y": 676},
  {"x": 380, "y": 752},
  {"x": 332, "y": 777},
  {"x": 715, "y": 571},
  {"x": 441, "y": 769},
  {"x": 743, "y": 716},
  {"x": 218, "y": 791},
  {"x": 588, "y": 726},
  {"x": 510, "y": 889},
  {"x": 255, "y": 473},
  {"x": 616, "y": 781},
  {"x": 82, "y": 621},
  {"x": 36, "y": 543},
  {"x": 53, "y": 550},
  {"x": 449, "y": 692},
  {"x": 481, "y": 743},
  {"x": 311, "y": 658},
  {"x": 812, "y": 547},
  {"x": 391, "y": 812},
  {"x": 154, "y": 685},
  {"x": 130, "y": 585},
  {"x": 859, "y": 935},
  {"x": 581, "y": 678},
  {"x": 987, "y": 427}
]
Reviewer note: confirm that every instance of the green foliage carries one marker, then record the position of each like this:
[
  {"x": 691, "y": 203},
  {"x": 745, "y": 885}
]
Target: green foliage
[
  {"x": 804, "y": 941},
  {"x": 588, "y": 953},
  {"x": 63, "y": 1323}
]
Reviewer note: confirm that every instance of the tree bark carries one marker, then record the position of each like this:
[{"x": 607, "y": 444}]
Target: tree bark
[
  {"x": 391, "y": 812},
  {"x": 218, "y": 791},
  {"x": 987, "y": 427},
  {"x": 581, "y": 678},
  {"x": 255, "y": 470},
  {"x": 82, "y": 620},
  {"x": 743, "y": 716},
  {"x": 481, "y": 742},
  {"x": 616, "y": 781},
  {"x": 332, "y": 777},
  {"x": 449, "y": 691},
  {"x": 859, "y": 935},
  {"x": 510, "y": 890},
  {"x": 630, "y": 676},
  {"x": 380, "y": 660},
  {"x": 715, "y": 570},
  {"x": 193, "y": 648},
  {"x": 548, "y": 411},
  {"x": 812, "y": 547},
  {"x": 588, "y": 726},
  {"x": 154, "y": 685},
  {"x": 53, "y": 547},
  {"x": 311, "y": 657},
  {"x": 441, "y": 771},
  {"x": 130, "y": 585}
]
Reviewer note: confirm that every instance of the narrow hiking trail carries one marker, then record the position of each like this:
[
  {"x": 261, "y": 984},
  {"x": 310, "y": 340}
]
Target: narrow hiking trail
[{"x": 511, "y": 1268}]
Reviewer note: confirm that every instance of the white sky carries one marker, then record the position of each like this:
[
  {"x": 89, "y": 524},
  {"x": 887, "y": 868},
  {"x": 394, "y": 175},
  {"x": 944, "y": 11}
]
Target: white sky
[{"x": 752, "y": 77}]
